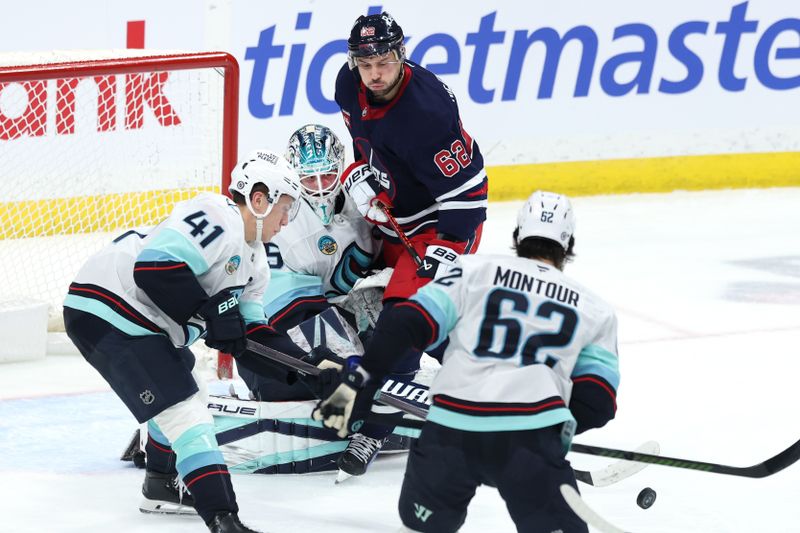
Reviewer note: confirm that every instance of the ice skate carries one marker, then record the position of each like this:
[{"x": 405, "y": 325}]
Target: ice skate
[
  {"x": 229, "y": 523},
  {"x": 165, "y": 494},
  {"x": 359, "y": 453}
]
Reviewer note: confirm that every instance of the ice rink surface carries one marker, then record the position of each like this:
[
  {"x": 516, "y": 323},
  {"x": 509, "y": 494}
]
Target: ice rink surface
[{"x": 707, "y": 290}]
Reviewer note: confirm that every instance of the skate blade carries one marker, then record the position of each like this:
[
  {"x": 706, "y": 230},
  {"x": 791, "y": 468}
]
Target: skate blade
[
  {"x": 162, "y": 507},
  {"x": 341, "y": 477}
]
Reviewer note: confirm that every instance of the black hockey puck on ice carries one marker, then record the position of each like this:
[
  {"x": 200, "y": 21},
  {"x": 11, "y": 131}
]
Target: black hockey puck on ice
[{"x": 646, "y": 498}]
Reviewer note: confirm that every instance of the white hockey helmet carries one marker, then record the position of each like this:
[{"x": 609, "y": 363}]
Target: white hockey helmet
[
  {"x": 317, "y": 155},
  {"x": 547, "y": 215},
  {"x": 271, "y": 169}
]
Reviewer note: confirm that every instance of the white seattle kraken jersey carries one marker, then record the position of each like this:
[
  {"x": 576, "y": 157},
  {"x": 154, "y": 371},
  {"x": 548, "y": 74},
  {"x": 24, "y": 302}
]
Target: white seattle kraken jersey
[
  {"x": 335, "y": 255},
  {"x": 206, "y": 233},
  {"x": 519, "y": 331}
]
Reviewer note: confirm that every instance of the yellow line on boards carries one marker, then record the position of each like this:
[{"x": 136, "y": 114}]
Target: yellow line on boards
[
  {"x": 87, "y": 214},
  {"x": 656, "y": 174}
]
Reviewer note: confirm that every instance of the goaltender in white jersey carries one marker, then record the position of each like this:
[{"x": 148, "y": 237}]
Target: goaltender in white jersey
[{"x": 329, "y": 246}]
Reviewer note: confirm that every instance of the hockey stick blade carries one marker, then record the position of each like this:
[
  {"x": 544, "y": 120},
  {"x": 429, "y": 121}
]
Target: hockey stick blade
[
  {"x": 618, "y": 470},
  {"x": 774, "y": 464},
  {"x": 307, "y": 368},
  {"x": 586, "y": 513}
]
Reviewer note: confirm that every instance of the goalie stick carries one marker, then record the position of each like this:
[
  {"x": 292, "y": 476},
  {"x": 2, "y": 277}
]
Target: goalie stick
[
  {"x": 599, "y": 478},
  {"x": 774, "y": 464}
]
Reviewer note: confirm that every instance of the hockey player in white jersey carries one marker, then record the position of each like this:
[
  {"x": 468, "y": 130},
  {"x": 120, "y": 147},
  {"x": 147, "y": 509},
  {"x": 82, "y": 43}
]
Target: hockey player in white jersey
[
  {"x": 136, "y": 306},
  {"x": 532, "y": 359}
]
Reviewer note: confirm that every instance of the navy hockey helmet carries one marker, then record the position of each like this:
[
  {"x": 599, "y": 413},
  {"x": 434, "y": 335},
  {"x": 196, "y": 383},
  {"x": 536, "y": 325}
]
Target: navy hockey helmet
[{"x": 375, "y": 35}]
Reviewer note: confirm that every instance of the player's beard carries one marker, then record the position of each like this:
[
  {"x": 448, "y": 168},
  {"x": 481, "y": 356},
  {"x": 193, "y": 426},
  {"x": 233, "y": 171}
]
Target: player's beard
[{"x": 381, "y": 95}]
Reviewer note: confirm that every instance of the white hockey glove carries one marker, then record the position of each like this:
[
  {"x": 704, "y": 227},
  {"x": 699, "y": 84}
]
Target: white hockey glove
[
  {"x": 361, "y": 184},
  {"x": 439, "y": 256},
  {"x": 349, "y": 405}
]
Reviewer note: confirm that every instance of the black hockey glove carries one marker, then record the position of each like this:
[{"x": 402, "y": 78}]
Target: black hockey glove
[
  {"x": 346, "y": 409},
  {"x": 440, "y": 255},
  {"x": 225, "y": 330}
]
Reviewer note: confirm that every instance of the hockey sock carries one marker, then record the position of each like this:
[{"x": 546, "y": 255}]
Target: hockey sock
[
  {"x": 203, "y": 469},
  {"x": 160, "y": 457},
  {"x": 212, "y": 491}
]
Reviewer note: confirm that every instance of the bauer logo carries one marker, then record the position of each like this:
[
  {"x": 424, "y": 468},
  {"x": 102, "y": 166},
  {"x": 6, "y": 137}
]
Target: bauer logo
[
  {"x": 233, "y": 264},
  {"x": 367, "y": 31},
  {"x": 327, "y": 245}
]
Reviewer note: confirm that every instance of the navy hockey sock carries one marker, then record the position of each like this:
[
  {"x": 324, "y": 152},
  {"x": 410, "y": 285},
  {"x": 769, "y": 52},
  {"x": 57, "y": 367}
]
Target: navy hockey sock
[
  {"x": 212, "y": 490},
  {"x": 160, "y": 457}
]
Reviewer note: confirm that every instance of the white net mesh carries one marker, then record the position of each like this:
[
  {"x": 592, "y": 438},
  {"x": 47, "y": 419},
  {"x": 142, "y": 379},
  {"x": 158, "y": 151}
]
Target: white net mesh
[{"x": 82, "y": 158}]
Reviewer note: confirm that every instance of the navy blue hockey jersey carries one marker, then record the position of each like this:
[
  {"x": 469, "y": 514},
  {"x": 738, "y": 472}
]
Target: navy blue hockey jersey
[{"x": 431, "y": 169}]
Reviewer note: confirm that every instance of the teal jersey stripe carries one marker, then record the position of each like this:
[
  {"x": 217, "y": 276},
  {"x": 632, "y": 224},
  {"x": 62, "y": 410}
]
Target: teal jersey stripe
[
  {"x": 101, "y": 310},
  {"x": 594, "y": 359},
  {"x": 252, "y": 312},
  {"x": 172, "y": 245},
  {"x": 441, "y": 308},
  {"x": 465, "y": 422},
  {"x": 284, "y": 287}
]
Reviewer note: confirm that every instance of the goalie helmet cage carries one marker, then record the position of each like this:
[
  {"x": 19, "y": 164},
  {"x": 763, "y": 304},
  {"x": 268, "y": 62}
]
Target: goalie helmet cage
[{"x": 96, "y": 142}]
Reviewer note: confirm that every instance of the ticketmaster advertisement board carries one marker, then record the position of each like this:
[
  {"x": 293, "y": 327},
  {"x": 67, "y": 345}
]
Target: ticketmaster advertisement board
[{"x": 584, "y": 96}]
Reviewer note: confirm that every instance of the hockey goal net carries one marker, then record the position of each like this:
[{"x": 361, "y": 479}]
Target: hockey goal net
[{"x": 95, "y": 142}]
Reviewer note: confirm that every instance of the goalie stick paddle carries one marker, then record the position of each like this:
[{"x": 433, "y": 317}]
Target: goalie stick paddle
[
  {"x": 774, "y": 464},
  {"x": 599, "y": 478}
]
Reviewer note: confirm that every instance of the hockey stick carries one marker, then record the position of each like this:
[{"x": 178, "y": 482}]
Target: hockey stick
[
  {"x": 401, "y": 235},
  {"x": 618, "y": 470},
  {"x": 586, "y": 513},
  {"x": 598, "y": 478},
  {"x": 774, "y": 464},
  {"x": 308, "y": 368}
]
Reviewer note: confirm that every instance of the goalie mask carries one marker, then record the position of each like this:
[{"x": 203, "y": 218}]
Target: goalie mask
[
  {"x": 373, "y": 35},
  {"x": 317, "y": 155},
  {"x": 546, "y": 215},
  {"x": 271, "y": 169}
]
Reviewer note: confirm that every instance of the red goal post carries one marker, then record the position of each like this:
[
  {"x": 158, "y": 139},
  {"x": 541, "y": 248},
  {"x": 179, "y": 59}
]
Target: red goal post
[{"x": 93, "y": 142}]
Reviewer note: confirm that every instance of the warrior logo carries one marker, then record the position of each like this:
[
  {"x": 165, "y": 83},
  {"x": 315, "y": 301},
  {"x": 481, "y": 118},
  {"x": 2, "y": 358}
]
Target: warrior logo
[
  {"x": 422, "y": 512},
  {"x": 147, "y": 397}
]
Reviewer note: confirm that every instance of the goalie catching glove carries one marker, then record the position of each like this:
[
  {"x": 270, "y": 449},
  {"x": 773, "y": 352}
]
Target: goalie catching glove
[
  {"x": 346, "y": 409},
  {"x": 363, "y": 187}
]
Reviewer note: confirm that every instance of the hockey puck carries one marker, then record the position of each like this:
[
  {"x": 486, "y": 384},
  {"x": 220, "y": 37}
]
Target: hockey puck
[{"x": 646, "y": 498}]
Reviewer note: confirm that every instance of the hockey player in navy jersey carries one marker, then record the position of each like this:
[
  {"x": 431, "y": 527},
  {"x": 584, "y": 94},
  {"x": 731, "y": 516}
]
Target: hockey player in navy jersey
[
  {"x": 413, "y": 158},
  {"x": 136, "y": 306},
  {"x": 532, "y": 358}
]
